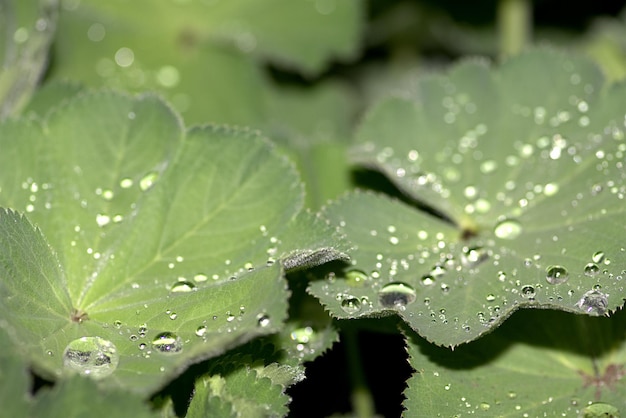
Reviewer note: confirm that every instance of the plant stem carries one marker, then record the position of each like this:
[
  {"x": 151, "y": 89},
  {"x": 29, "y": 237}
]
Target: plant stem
[
  {"x": 362, "y": 402},
  {"x": 514, "y": 26}
]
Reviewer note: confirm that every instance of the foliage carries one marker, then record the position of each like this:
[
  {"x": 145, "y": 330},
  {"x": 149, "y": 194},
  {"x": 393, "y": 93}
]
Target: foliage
[{"x": 186, "y": 224}]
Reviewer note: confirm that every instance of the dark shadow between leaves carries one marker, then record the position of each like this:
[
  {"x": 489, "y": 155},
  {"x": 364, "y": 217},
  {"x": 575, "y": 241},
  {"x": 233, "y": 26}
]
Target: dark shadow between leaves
[
  {"x": 376, "y": 181},
  {"x": 583, "y": 335}
]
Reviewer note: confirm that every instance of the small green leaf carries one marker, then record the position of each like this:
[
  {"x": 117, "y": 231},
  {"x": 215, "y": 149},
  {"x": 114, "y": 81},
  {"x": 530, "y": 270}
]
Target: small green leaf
[
  {"x": 230, "y": 395},
  {"x": 169, "y": 246},
  {"x": 540, "y": 363},
  {"x": 520, "y": 183}
]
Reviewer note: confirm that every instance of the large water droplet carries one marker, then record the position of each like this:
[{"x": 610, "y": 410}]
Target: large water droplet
[
  {"x": 350, "y": 305},
  {"x": 396, "y": 295},
  {"x": 508, "y": 229},
  {"x": 557, "y": 274},
  {"x": 167, "y": 342},
  {"x": 91, "y": 356},
  {"x": 183, "y": 286},
  {"x": 593, "y": 301},
  {"x": 591, "y": 269}
]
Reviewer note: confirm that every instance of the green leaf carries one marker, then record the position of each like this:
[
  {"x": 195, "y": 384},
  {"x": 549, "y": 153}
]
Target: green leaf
[
  {"x": 79, "y": 397},
  {"x": 519, "y": 177},
  {"x": 27, "y": 29},
  {"x": 14, "y": 396},
  {"x": 168, "y": 245},
  {"x": 203, "y": 56},
  {"x": 540, "y": 363},
  {"x": 230, "y": 396}
]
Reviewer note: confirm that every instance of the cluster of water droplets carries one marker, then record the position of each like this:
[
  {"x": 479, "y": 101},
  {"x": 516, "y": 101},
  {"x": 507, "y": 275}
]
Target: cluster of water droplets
[{"x": 37, "y": 198}]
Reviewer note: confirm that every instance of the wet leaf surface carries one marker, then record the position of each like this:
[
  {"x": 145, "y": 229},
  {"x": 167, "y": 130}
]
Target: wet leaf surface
[
  {"x": 540, "y": 363},
  {"x": 519, "y": 178},
  {"x": 145, "y": 247}
]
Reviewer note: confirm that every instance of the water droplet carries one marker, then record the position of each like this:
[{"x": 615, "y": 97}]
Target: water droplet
[
  {"x": 102, "y": 220},
  {"x": 199, "y": 278},
  {"x": 508, "y": 229},
  {"x": 117, "y": 324},
  {"x": 491, "y": 297},
  {"x": 173, "y": 315},
  {"x": 529, "y": 292},
  {"x": 591, "y": 269},
  {"x": 263, "y": 320},
  {"x": 350, "y": 305},
  {"x": 183, "y": 286},
  {"x": 148, "y": 180},
  {"x": 201, "y": 330},
  {"x": 91, "y": 356},
  {"x": 428, "y": 280},
  {"x": 126, "y": 183},
  {"x": 472, "y": 257},
  {"x": 485, "y": 406},
  {"x": 593, "y": 301},
  {"x": 396, "y": 295},
  {"x": 356, "y": 277},
  {"x": 557, "y": 274},
  {"x": 598, "y": 257},
  {"x": 167, "y": 342},
  {"x": 550, "y": 189}
]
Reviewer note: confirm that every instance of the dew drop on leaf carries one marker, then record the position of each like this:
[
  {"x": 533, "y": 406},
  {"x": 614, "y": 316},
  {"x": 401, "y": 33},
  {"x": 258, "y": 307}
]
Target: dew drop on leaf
[
  {"x": 167, "y": 342},
  {"x": 183, "y": 286},
  {"x": 201, "y": 330},
  {"x": 557, "y": 274},
  {"x": 472, "y": 257},
  {"x": 598, "y": 257},
  {"x": 593, "y": 301},
  {"x": 199, "y": 278},
  {"x": 148, "y": 180},
  {"x": 91, "y": 356},
  {"x": 591, "y": 269},
  {"x": 355, "y": 277},
  {"x": 428, "y": 280},
  {"x": 396, "y": 295},
  {"x": 263, "y": 320},
  {"x": 350, "y": 305},
  {"x": 126, "y": 183},
  {"x": 529, "y": 292},
  {"x": 508, "y": 229}
]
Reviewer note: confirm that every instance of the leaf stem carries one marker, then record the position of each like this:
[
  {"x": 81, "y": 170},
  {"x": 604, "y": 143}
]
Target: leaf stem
[
  {"x": 514, "y": 26},
  {"x": 362, "y": 402}
]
